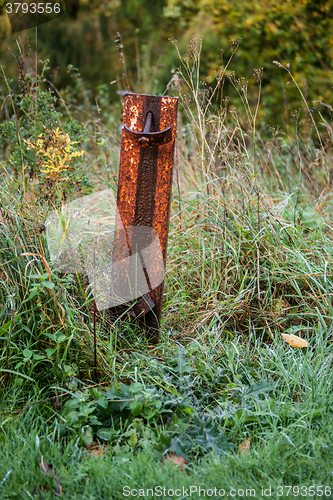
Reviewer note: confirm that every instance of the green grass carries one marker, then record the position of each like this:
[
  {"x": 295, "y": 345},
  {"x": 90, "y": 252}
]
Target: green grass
[
  {"x": 288, "y": 419},
  {"x": 249, "y": 258}
]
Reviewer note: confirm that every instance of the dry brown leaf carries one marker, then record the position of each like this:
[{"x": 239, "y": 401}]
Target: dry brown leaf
[
  {"x": 49, "y": 471},
  {"x": 58, "y": 492},
  {"x": 294, "y": 341},
  {"x": 46, "y": 468},
  {"x": 175, "y": 459},
  {"x": 97, "y": 450},
  {"x": 244, "y": 447}
]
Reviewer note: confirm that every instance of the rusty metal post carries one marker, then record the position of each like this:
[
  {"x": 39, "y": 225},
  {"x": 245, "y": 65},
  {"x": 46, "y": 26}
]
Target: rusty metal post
[{"x": 145, "y": 183}]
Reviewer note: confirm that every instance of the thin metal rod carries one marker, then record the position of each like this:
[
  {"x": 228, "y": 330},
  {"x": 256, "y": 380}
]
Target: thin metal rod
[
  {"x": 149, "y": 119},
  {"x": 95, "y": 343},
  {"x": 95, "y": 311},
  {"x": 145, "y": 141}
]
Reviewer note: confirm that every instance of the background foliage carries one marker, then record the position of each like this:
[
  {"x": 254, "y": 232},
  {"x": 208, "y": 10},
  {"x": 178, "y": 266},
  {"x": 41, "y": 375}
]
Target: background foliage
[{"x": 298, "y": 33}]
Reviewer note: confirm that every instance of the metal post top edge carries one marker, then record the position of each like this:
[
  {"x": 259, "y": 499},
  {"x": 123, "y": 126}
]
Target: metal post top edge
[{"x": 150, "y": 95}]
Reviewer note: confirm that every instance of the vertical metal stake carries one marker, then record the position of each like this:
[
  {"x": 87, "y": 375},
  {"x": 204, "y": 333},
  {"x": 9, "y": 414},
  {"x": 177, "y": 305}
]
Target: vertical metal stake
[{"x": 145, "y": 181}]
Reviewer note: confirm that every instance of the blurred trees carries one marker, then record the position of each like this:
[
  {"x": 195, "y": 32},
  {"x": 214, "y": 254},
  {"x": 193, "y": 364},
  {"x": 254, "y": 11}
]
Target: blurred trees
[{"x": 296, "y": 32}]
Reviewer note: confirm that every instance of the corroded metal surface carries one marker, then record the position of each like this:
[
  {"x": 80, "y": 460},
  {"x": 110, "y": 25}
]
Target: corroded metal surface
[
  {"x": 144, "y": 187},
  {"x": 148, "y": 138}
]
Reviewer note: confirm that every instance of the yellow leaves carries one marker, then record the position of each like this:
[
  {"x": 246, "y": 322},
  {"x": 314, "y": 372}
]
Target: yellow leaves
[
  {"x": 294, "y": 340},
  {"x": 55, "y": 151},
  {"x": 272, "y": 27}
]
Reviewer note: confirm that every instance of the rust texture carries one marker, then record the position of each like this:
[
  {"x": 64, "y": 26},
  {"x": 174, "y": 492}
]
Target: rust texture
[{"x": 145, "y": 182}]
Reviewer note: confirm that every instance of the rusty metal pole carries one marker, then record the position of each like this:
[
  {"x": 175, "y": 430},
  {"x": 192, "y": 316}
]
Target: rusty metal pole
[{"x": 145, "y": 182}]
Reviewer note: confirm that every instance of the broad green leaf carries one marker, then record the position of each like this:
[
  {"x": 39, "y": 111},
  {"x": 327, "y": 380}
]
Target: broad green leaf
[
  {"x": 48, "y": 284},
  {"x": 5, "y": 326},
  {"x": 49, "y": 351},
  {"x": 38, "y": 357},
  {"x": 136, "y": 407},
  {"x": 87, "y": 436},
  {"x": 106, "y": 434},
  {"x": 27, "y": 353}
]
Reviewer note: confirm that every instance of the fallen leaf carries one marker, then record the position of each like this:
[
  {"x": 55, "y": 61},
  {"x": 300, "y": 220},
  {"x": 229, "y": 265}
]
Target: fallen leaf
[
  {"x": 49, "y": 471},
  {"x": 97, "y": 450},
  {"x": 175, "y": 459},
  {"x": 294, "y": 341},
  {"x": 244, "y": 447},
  {"x": 46, "y": 468},
  {"x": 58, "y": 490}
]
